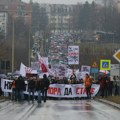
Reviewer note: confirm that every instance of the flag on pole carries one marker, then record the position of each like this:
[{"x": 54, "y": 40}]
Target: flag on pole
[
  {"x": 22, "y": 70},
  {"x": 42, "y": 64},
  {"x": 26, "y": 70}
]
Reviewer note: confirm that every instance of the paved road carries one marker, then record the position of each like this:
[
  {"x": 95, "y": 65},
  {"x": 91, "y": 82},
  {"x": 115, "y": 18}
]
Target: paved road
[{"x": 58, "y": 110}]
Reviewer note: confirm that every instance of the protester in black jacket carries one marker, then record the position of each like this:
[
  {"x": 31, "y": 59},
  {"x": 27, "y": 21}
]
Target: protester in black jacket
[
  {"x": 31, "y": 89},
  {"x": 39, "y": 86},
  {"x": 20, "y": 86},
  {"x": 46, "y": 83}
]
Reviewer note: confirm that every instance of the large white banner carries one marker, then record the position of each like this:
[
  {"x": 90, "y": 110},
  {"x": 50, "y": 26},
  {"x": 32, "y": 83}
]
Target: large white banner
[
  {"x": 57, "y": 90},
  {"x": 69, "y": 91},
  {"x": 73, "y": 55}
]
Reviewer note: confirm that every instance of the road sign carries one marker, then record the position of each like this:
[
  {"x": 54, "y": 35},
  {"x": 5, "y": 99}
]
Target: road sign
[
  {"x": 105, "y": 64},
  {"x": 94, "y": 65},
  {"x": 117, "y": 55},
  {"x": 94, "y": 70}
]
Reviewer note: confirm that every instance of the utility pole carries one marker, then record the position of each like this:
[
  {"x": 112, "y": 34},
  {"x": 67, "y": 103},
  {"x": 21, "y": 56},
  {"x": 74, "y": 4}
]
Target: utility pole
[{"x": 13, "y": 43}]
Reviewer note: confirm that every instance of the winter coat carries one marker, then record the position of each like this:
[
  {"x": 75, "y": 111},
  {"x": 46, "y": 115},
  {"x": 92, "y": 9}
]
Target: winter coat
[
  {"x": 31, "y": 84},
  {"x": 39, "y": 85},
  {"x": 46, "y": 83}
]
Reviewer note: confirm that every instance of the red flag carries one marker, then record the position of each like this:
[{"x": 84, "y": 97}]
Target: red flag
[
  {"x": 44, "y": 68},
  {"x": 42, "y": 64}
]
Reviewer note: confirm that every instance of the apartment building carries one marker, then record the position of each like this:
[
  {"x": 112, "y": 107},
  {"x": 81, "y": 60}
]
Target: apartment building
[
  {"x": 3, "y": 23},
  {"x": 60, "y": 16},
  {"x": 13, "y": 9}
]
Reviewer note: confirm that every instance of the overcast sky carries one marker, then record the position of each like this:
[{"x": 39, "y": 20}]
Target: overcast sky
[{"x": 60, "y": 1}]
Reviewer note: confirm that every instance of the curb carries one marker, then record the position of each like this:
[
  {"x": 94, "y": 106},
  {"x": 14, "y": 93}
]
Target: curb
[
  {"x": 109, "y": 103},
  {"x": 2, "y": 100}
]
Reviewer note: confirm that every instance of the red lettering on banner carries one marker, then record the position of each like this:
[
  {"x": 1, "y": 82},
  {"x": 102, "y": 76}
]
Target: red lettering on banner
[
  {"x": 83, "y": 90},
  {"x": 28, "y": 70},
  {"x": 92, "y": 90},
  {"x": 79, "y": 90},
  {"x": 73, "y": 54},
  {"x": 54, "y": 91}
]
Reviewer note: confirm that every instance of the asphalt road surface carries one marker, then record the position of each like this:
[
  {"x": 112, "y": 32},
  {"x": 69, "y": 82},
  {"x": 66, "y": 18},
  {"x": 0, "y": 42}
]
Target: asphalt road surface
[{"x": 58, "y": 110}]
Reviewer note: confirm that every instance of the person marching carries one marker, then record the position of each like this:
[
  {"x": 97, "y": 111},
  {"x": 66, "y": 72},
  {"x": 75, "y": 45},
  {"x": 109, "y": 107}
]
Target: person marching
[
  {"x": 46, "y": 83},
  {"x": 88, "y": 84},
  {"x": 20, "y": 85},
  {"x": 39, "y": 86},
  {"x": 13, "y": 86},
  {"x": 31, "y": 88},
  {"x": 73, "y": 78}
]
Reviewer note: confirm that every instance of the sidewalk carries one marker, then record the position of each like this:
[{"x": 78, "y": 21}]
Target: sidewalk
[
  {"x": 2, "y": 99},
  {"x": 116, "y": 105}
]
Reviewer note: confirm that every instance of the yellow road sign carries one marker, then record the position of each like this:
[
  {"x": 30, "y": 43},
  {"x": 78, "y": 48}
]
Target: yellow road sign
[
  {"x": 94, "y": 65},
  {"x": 117, "y": 55}
]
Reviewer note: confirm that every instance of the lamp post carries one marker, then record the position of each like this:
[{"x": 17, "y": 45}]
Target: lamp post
[
  {"x": 13, "y": 43},
  {"x": 29, "y": 54}
]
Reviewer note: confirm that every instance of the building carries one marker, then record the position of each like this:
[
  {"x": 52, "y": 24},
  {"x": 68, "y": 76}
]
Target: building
[
  {"x": 60, "y": 16},
  {"x": 10, "y": 10},
  {"x": 3, "y": 24},
  {"x": 15, "y": 9}
]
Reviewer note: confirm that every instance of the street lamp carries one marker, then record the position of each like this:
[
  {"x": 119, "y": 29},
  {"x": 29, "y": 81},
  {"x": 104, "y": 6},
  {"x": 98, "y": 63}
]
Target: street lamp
[
  {"x": 13, "y": 43},
  {"x": 29, "y": 54}
]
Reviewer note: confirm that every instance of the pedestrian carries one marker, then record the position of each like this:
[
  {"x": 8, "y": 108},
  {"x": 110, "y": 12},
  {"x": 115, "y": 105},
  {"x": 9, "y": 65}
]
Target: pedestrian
[
  {"x": 31, "y": 89},
  {"x": 20, "y": 87},
  {"x": 88, "y": 84},
  {"x": 103, "y": 86},
  {"x": 109, "y": 87},
  {"x": 116, "y": 89},
  {"x": 13, "y": 86},
  {"x": 73, "y": 78},
  {"x": 39, "y": 86},
  {"x": 46, "y": 84}
]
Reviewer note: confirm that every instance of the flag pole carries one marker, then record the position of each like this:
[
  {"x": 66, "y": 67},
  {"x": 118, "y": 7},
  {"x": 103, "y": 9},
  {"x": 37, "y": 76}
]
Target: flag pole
[{"x": 73, "y": 69}]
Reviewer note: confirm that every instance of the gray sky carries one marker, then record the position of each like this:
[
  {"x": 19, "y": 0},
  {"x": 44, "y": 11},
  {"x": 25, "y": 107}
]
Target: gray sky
[{"x": 60, "y": 1}]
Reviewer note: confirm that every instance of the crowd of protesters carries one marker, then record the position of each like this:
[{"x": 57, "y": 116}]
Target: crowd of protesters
[
  {"x": 107, "y": 87},
  {"x": 35, "y": 84}
]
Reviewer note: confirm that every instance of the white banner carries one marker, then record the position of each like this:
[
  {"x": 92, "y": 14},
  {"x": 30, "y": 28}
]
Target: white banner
[
  {"x": 62, "y": 71},
  {"x": 24, "y": 70},
  {"x": 73, "y": 55},
  {"x": 71, "y": 90},
  {"x": 85, "y": 68},
  {"x": 58, "y": 90}
]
